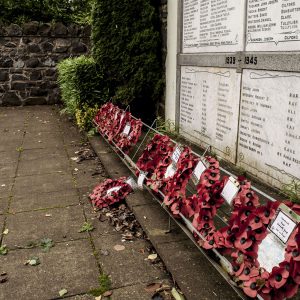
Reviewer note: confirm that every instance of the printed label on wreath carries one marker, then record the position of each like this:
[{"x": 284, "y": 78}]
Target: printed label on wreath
[
  {"x": 114, "y": 189},
  {"x": 116, "y": 115},
  {"x": 200, "y": 168},
  {"x": 176, "y": 154},
  {"x": 141, "y": 179},
  {"x": 170, "y": 171},
  {"x": 230, "y": 190},
  {"x": 282, "y": 226},
  {"x": 126, "y": 129},
  {"x": 131, "y": 182},
  {"x": 271, "y": 252},
  {"x": 122, "y": 117}
]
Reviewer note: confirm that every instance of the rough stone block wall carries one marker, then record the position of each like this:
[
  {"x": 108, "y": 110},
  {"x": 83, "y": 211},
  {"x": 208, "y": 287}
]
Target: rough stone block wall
[{"x": 28, "y": 58}]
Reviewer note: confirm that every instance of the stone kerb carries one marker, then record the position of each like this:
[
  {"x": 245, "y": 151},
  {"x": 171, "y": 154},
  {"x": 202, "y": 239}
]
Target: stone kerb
[{"x": 28, "y": 58}]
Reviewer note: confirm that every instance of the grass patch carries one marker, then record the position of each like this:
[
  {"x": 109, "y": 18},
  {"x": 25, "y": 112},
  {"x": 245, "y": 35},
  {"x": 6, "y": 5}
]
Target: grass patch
[{"x": 104, "y": 286}]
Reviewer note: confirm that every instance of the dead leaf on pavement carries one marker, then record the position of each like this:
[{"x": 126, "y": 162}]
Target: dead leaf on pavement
[
  {"x": 107, "y": 294},
  {"x": 152, "y": 256},
  {"x": 152, "y": 287},
  {"x": 119, "y": 247},
  {"x": 62, "y": 292}
]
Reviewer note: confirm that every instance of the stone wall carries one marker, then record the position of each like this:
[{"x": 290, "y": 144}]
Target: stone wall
[{"x": 28, "y": 58}]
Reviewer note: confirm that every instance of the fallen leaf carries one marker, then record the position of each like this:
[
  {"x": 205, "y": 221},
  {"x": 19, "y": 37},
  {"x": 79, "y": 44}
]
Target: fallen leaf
[
  {"x": 176, "y": 294},
  {"x": 119, "y": 247},
  {"x": 3, "y": 185},
  {"x": 3, "y": 250},
  {"x": 6, "y": 231},
  {"x": 75, "y": 169},
  {"x": 98, "y": 298},
  {"x": 152, "y": 287},
  {"x": 107, "y": 294},
  {"x": 62, "y": 292},
  {"x": 33, "y": 261},
  {"x": 152, "y": 256},
  {"x": 48, "y": 215}
]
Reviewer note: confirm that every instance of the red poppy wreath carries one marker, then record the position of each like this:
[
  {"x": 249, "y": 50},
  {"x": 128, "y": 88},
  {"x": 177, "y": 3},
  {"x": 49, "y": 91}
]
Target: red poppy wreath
[
  {"x": 104, "y": 117},
  {"x": 272, "y": 281},
  {"x": 110, "y": 192},
  {"x": 157, "y": 154},
  {"x": 174, "y": 188},
  {"x": 130, "y": 134}
]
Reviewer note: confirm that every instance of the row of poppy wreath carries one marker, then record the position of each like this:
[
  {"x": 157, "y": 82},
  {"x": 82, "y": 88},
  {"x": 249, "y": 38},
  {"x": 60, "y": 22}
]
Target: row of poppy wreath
[
  {"x": 118, "y": 126},
  {"x": 166, "y": 168}
]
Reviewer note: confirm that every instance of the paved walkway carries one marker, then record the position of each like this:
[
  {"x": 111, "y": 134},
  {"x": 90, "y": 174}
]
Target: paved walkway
[{"x": 43, "y": 195}]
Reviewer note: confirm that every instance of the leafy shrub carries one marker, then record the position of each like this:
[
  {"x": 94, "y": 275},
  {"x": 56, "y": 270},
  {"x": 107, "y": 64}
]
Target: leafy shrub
[
  {"x": 20, "y": 11},
  {"x": 126, "y": 46},
  {"x": 85, "y": 116},
  {"x": 81, "y": 83}
]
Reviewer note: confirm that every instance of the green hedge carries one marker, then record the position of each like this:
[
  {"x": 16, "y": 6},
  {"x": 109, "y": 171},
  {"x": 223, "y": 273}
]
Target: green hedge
[
  {"x": 126, "y": 46},
  {"x": 81, "y": 83},
  {"x": 66, "y": 11}
]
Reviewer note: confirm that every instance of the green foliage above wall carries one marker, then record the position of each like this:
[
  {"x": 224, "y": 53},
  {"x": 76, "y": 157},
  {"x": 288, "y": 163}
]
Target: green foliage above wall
[
  {"x": 66, "y": 11},
  {"x": 126, "y": 46},
  {"x": 81, "y": 83}
]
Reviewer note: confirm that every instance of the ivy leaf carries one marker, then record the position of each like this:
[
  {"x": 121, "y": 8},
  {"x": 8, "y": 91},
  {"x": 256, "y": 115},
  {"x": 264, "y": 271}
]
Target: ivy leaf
[
  {"x": 46, "y": 244},
  {"x": 86, "y": 227}
]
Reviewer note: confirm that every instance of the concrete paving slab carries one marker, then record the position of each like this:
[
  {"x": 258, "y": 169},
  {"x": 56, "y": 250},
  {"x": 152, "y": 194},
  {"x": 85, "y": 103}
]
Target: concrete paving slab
[
  {"x": 101, "y": 227},
  {"x": 8, "y": 170},
  {"x": 8, "y": 157},
  {"x": 10, "y": 145},
  {"x": 8, "y": 135},
  {"x": 86, "y": 174},
  {"x": 36, "y": 154},
  {"x": 42, "y": 183},
  {"x": 62, "y": 225},
  {"x": 68, "y": 266},
  {"x": 155, "y": 222},
  {"x": 194, "y": 273},
  {"x": 136, "y": 291},
  {"x": 127, "y": 267},
  {"x": 5, "y": 186},
  {"x": 3, "y": 205},
  {"x": 43, "y": 166},
  {"x": 12, "y": 119},
  {"x": 29, "y": 202},
  {"x": 42, "y": 140}
]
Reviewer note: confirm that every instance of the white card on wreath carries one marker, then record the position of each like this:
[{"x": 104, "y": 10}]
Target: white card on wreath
[
  {"x": 111, "y": 190},
  {"x": 230, "y": 190},
  {"x": 126, "y": 129}
]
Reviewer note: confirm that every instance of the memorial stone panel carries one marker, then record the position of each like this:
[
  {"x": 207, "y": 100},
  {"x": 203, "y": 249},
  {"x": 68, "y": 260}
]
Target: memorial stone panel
[
  {"x": 209, "y": 106},
  {"x": 269, "y": 132},
  {"x": 273, "y": 25},
  {"x": 213, "y": 25}
]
